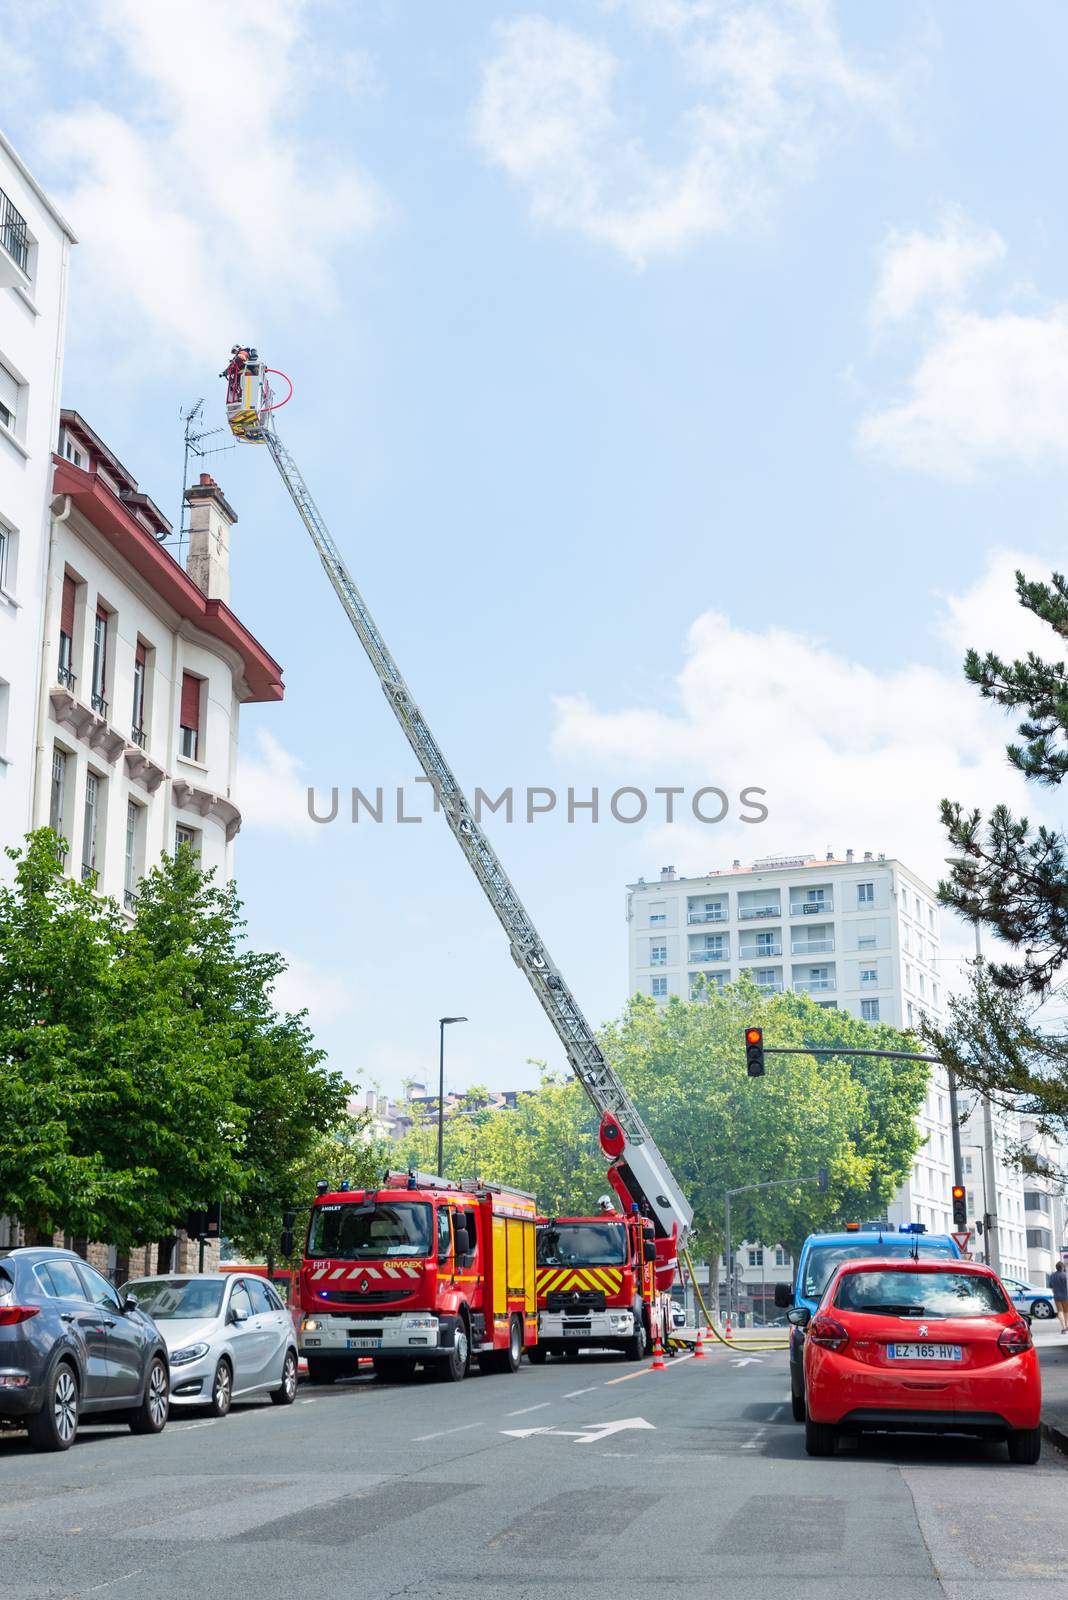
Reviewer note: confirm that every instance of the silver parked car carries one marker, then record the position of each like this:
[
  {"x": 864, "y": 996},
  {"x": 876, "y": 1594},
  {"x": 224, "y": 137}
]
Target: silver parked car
[{"x": 228, "y": 1336}]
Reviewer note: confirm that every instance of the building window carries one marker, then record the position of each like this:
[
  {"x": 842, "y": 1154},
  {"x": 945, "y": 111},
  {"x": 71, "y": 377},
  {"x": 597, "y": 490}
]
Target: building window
[
  {"x": 923, "y": 986},
  {"x": 58, "y": 795},
  {"x": 908, "y": 1010},
  {"x": 657, "y": 914},
  {"x": 766, "y": 944},
  {"x": 756, "y": 1257},
  {"x": 1039, "y": 1239},
  {"x": 100, "y": 661},
  {"x": 1035, "y": 1202},
  {"x": 865, "y": 894},
  {"x": 782, "y": 1258},
  {"x": 9, "y": 398},
  {"x": 869, "y": 974},
  {"x": 967, "y": 1166},
  {"x": 134, "y": 816},
  {"x": 71, "y": 452},
  {"x": 659, "y": 988},
  {"x": 869, "y": 1010},
  {"x": 5, "y": 544},
  {"x": 91, "y": 820},
  {"x": 191, "y": 839},
  {"x": 930, "y": 918},
  {"x": 904, "y": 899},
  {"x": 66, "y": 632},
  {"x": 140, "y": 669},
  {"x": 189, "y": 717},
  {"x": 658, "y": 955}
]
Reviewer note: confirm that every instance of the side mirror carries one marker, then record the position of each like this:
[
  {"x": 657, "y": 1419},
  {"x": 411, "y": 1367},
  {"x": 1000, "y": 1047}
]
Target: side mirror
[
  {"x": 462, "y": 1241},
  {"x": 799, "y": 1316},
  {"x": 238, "y": 1314},
  {"x": 784, "y": 1295},
  {"x": 648, "y": 1250},
  {"x": 129, "y": 1302}
]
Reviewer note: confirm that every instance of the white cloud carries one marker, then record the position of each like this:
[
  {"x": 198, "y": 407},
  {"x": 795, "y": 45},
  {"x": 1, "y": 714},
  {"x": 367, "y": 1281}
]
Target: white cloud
[
  {"x": 988, "y": 616},
  {"x": 987, "y": 391},
  {"x": 850, "y": 757},
  {"x": 272, "y": 791},
  {"x": 198, "y": 206},
  {"x": 918, "y": 269},
  {"x": 766, "y": 87},
  {"x": 326, "y": 996}
]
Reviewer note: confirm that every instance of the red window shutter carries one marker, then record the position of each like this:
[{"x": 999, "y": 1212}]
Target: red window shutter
[
  {"x": 140, "y": 654},
  {"x": 190, "y": 714},
  {"x": 66, "y": 610}
]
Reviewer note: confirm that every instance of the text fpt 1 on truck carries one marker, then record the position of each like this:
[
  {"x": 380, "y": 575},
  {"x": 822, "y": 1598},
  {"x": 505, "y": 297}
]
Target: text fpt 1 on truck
[{"x": 420, "y": 1270}]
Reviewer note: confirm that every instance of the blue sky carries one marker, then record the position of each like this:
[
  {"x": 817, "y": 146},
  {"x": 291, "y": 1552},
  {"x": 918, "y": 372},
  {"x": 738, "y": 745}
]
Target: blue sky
[{"x": 682, "y": 380}]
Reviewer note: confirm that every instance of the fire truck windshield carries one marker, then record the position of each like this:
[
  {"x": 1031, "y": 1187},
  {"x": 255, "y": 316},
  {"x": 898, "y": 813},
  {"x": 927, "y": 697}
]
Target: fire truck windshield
[
  {"x": 342, "y": 1232},
  {"x": 588, "y": 1244}
]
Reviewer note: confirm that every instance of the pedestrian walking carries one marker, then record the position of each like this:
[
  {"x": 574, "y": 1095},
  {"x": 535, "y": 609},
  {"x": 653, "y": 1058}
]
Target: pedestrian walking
[{"x": 1057, "y": 1283}]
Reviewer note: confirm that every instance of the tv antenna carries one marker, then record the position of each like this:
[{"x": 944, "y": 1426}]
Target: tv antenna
[{"x": 194, "y": 435}]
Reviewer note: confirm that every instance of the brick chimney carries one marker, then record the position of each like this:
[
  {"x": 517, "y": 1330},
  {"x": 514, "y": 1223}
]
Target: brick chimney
[{"x": 210, "y": 519}]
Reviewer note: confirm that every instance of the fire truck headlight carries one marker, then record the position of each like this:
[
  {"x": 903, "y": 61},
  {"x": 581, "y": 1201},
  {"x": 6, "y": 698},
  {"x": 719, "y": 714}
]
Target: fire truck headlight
[
  {"x": 420, "y": 1322},
  {"x": 622, "y": 1320},
  {"x": 310, "y": 1325}
]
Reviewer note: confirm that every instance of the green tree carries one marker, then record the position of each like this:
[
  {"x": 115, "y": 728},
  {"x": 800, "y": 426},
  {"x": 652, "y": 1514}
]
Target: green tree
[{"x": 1011, "y": 876}]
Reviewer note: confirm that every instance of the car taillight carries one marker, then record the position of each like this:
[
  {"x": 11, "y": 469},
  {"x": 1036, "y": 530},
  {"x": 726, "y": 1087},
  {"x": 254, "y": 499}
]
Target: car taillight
[
  {"x": 12, "y": 1314},
  {"x": 1015, "y": 1340},
  {"x": 829, "y": 1333}
]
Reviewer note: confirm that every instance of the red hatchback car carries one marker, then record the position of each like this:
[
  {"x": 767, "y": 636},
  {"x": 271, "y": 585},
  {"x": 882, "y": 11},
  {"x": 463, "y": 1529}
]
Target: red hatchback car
[{"x": 921, "y": 1346}]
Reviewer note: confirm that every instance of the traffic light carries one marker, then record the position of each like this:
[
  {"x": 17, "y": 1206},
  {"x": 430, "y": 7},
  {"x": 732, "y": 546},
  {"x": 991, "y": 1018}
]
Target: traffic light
[
  {"x": 823, "y": 1180},
  {"x": 286, "y": 1242},
  {"x": 754, "y": 1052},
  {"x": 960, "y": 1206}
]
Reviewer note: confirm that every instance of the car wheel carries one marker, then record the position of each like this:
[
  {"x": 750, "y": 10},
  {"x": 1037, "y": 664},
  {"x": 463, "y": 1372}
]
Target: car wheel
[
  {"x": 54, "y": 1426},
  {"x": 821, "y": 1438},
  {"x": 797, "y": 1406},
  {"x": 537, "y": 1355},
  {"x": 151, "y": 1414},
  {"x": 1025, "y": 1446},
  {"x": 457, "y": 1363},
  {"x": 222, "y": 1389},
  {"x": 286, "y": 1392},
  {"x": 1041, "y": 1308}
]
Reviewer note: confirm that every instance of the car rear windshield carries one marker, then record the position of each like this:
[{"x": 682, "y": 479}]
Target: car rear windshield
[
  {"x": 823, "y": 1260},
  {"x": 900, "y": 1293},
  {"x": 180, "y": 1299},
  {"x": 582, "y": 1244},
  {"x": 354, "y": 1231}
]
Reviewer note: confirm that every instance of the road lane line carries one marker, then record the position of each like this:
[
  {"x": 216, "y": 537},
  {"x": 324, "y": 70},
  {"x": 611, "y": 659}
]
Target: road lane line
[
  {"x": 421, "y": 1438},
  {"x": 574, "y": 1392},
  {"x": 755, "y": 1441},
  {"x": 643, "y": 1370},
  {"x": 527, "y": 1409}
]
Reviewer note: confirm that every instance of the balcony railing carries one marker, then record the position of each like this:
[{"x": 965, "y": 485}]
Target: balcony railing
[
  {"x": 719, "y": 915},
  {"x": 761, "y": 953},
  {"x": 750, "y": 913},
  {"x": 129, "y": 899},
  {"x": 66, "y": 677},
  {"x": 813, "y": 947},
  {"x": 709, "y": 955},
  {"x": 770, "y": 988},
  {"x": 139, "y": 737},
  {"x": 13, "y": 234},
  {"x": 100, "y": 705},
  {"x": 813, "y": 985},
  {"x": 811, "y": 908},
  {"x": 88, "y": 872}
]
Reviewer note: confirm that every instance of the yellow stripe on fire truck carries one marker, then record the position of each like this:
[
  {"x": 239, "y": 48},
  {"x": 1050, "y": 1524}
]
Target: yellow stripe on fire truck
[
  {"x": 331, "y": 1274},
  {"x": 561, "y": 1279}
]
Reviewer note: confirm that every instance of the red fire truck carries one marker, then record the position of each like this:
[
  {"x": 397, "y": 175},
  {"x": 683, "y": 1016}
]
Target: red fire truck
[
  {"x": 423, "y": 1270},
  {"x": 597, "y": 1286}
]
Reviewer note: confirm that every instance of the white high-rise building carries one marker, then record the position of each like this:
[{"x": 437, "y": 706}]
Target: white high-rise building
[
  {"x": 859, "y": 934},
  {"x": 34, "y": 256}
]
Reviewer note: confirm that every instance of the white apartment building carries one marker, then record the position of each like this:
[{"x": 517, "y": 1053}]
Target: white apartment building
[
  {"x": 34, "y": 258},
  {"x": 144, "y": 669},
  {"x": 859, "y": 934},
  {"x": 1045, "y": 1205}
]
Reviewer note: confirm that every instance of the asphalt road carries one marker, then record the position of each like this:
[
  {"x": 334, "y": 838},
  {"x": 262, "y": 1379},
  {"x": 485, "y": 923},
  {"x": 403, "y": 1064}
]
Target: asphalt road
[{"x": 592, "y": 1477}]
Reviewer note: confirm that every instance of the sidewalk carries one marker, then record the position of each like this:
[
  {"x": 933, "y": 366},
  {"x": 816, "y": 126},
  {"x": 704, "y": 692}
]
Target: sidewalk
[{"x": 1052, "y": 1347}]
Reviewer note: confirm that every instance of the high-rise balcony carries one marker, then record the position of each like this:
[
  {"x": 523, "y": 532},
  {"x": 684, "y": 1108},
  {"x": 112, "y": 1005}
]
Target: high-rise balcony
[
  {"x": 812, "y": 908},
  {"x": 751, "y": 913},
  {"x": 810, "y": 947},
  {"x": 760, "y": 952},
  {"x": 709, "y": 956},
  {"x": 14, "y": 245},
  {"x": 813, "y": 985},
  {"x": 718, "y": 914}
]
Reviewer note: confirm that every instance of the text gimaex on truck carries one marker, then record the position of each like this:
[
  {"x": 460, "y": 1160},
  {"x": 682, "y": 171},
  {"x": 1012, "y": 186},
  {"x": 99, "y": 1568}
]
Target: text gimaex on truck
[
  {"x": 597, "y": 1286},
  {"x": 421, "y": 1270}
]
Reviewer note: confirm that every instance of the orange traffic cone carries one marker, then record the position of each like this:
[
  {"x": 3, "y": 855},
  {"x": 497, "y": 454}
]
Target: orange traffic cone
[
  {"x": 658, "y": 1356},
  {"x": 727, "y": 1334},
  {"x": 699, "y": 1349}
]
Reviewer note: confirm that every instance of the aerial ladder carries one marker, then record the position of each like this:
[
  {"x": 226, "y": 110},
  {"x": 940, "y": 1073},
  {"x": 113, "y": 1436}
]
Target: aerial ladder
[{"x": 638, "y": 1172}]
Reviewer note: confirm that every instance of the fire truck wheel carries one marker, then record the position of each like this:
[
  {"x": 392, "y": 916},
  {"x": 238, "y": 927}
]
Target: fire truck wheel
[
  {"x": 395, "y": 1369},
  {"x": 570, "y": 1353},
  {"x": 457, "y": 1363},
  {"x": 638, "y": 1344},
  {"x": 538, "y": 1355},
  {"x": 508, "y": 1360}
]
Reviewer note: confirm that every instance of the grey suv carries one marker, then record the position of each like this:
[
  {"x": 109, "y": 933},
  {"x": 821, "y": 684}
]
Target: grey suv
[{"x": 72, "y": 1347}]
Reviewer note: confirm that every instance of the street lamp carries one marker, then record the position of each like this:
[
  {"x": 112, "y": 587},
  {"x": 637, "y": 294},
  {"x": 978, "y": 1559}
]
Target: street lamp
[{"x": 443, "y": 1023}]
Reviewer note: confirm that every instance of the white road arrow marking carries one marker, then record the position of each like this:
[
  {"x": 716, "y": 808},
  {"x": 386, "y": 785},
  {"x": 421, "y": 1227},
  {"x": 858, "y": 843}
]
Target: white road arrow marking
[
  {"x": 592, "y": 1433},
  {"x": 748, "y": 1361}
]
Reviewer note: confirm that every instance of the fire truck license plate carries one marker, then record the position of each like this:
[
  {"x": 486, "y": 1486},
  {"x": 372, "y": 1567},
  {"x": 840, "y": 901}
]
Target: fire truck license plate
[
  {"x": 575, "y": 1332},
  {"x": 363, "y": 1344},
  {"x": 923, "y": 1352}
]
